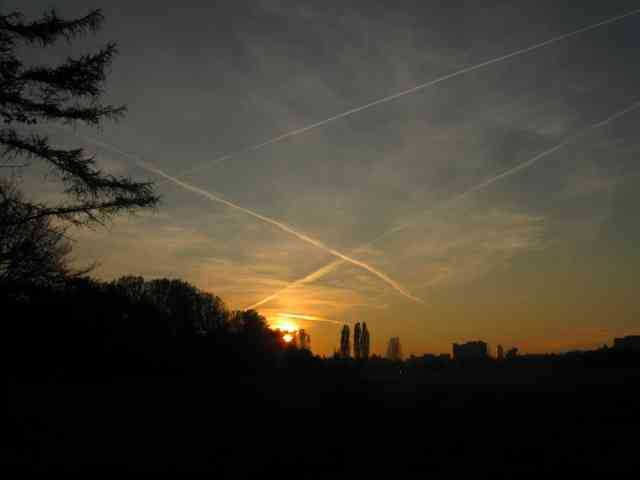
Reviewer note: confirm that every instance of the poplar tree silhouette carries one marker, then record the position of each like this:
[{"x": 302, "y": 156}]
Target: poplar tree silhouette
[
  {"x": 364, "y": 342},
  {"x": 345, "y": 347},
  {"x": 357, "y": 342},
  {"x": 67, "y": 93}
]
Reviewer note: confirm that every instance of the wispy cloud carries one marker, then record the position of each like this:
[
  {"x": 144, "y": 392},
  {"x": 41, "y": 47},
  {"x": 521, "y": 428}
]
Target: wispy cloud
[
  {"x": 282, "y": 226},
  {"x": 410, "y": 91},
  {"x": 459, "y": 252},
  {"x": 459, "y": 198},
  {"x": 300, "y": 316},
  {"x": 491, "y": 265}
]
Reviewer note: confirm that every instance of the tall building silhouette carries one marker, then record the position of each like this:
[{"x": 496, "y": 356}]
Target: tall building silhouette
[{"x": 394, "y": 350}]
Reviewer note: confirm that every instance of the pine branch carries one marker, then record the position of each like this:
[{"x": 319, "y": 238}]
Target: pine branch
[
  {"x": 87, "y": 212},
  {"x": 68, "y": 92},
  {"x": 84, "y": 182},
  {"x": 15, "y": 107},
  {"x": 77, "y": 77},
  {"x": 50, "y": 27}
]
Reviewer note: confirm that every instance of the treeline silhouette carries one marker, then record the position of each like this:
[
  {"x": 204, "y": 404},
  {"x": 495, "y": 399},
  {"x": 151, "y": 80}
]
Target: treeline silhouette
[
  {"x": 86, "y": 327},
  {"x": 156, "y": 375}
]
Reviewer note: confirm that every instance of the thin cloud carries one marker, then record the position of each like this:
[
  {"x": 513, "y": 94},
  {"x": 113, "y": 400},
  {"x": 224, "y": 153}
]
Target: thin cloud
[
  {"x": 462, "y": 196},
  {"x": 305, "y": 238},
  {"x": 310, "y": 318},
  {"x": 408, "y": 91}
]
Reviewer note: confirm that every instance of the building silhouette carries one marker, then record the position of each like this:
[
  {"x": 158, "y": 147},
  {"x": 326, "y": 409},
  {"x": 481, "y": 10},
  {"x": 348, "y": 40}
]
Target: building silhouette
[
  {"x": 394, "y": 350},
  {"x": 428, "y": 360},
  {"x": 511, "y": 353},
  {"x": 630, "y": 342},
  {"x": 470, "y": 350}
]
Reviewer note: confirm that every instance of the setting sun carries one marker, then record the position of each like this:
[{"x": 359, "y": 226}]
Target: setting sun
[{"x": 286, "y": 326}]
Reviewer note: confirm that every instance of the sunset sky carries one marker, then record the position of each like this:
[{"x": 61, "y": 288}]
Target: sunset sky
[{"x": 545, "y": 258}]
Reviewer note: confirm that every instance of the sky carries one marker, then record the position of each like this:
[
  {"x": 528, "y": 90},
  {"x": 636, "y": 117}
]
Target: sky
[{"x": 411, "y": 214}]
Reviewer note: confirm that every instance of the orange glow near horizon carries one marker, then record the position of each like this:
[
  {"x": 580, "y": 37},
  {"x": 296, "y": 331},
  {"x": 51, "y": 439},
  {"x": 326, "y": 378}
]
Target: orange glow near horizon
[
  {"x": 285, "y": 324},
  {"x": 286, "y": 327}
]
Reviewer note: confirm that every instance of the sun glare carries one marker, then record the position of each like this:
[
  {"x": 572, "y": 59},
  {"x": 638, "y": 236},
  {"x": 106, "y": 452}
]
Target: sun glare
[
  {"x": 286, "y": 326},
  {"x": 288, "y": 337}
]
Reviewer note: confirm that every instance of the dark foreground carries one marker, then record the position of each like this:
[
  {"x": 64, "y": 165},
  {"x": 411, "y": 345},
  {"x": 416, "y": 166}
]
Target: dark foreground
[
  {"x": 498, "y": 419},
  {"x": 138, "y": 375}
]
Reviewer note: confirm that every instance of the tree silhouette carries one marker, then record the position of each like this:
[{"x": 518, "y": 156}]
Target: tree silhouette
[
  {"x": 190, "y": 310},
  {"x": 364, "y": 343},
  {"x": 345, "y": 347},
  {"x": 253, "y": 322},
  {"x": 35, "y": 252},
  {"x": 213, "y": 313},
  {"x": 304, "y": 339},
  {"x": 65, "y": 93},
  {"x": 134, "y": 288},
  {"x": 357, "y": 342}
]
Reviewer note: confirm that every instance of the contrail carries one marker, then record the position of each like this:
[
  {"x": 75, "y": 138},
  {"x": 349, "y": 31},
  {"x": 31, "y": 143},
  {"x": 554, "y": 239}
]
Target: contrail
[
  {"x": 210, "y": 196},
  {"x": 305, "y": 238},
  {"x": 309, "y": 278},
  {"x": 480, "y": 186},
  {"x": 310, "y": 318},
  {"x": 408, "y": 91}
]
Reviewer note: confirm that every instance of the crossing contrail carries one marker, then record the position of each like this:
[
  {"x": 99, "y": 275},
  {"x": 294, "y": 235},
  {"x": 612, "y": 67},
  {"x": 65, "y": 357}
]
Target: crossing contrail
[
  {"x": 461, "y": 196},
  {"x": 343, "y": 258},
  {"x": 308, "y": 279},
  {"x": 285, "y": 228},
  {"x": 408, "y": 91},
  {"x": 215, "y": 198}
]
